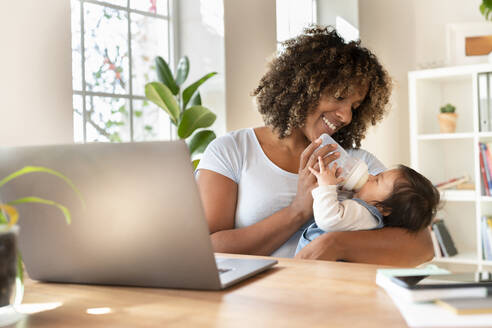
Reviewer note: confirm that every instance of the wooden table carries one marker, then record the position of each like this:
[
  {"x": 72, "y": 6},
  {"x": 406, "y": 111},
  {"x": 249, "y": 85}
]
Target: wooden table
[{"x": 295, "y": 293}]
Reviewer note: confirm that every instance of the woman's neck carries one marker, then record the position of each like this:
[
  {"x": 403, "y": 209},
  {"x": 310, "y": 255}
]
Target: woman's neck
[
  {"x": 296, "y": 141},
  {"x": 286, "y": 152}
]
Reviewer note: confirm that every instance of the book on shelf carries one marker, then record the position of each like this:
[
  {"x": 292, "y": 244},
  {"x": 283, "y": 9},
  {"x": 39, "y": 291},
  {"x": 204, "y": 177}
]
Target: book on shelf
[
  {"x": 435, "y": 244},
  {"x": 444, "y": 238},
  {"x": 484, "y": 101},
  {"x": 486, "y": 234},
  {"x": 452, "y": 183},
  {"x": 466, "y": 186},
  {"x": 486, "y": 172},
  {"x": 483, "y": 177}
]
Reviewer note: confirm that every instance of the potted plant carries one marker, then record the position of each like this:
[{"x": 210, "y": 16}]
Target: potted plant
[
  {"x": 11, "y": 267},
  {"x": 486, "y": 9},
  {"x": 184, "y": 106},
  {"x": 447, "y": 119}
]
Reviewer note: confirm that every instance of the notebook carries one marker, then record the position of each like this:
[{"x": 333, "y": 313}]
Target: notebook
[{"x": 467, "y": 305}]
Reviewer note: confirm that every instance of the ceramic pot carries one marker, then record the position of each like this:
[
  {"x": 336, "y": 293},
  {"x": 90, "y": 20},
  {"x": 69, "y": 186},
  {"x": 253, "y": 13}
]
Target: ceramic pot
[{"x": 447, "y": 122}]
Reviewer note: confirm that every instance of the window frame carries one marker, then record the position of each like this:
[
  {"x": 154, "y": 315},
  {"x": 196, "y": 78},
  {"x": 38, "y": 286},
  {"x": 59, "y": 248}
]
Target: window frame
[
  {"x": 172, "y": 25},
  {"x": 314, "y": 19}
]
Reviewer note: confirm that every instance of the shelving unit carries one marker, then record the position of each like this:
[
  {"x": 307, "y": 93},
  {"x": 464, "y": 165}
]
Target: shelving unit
[{"x": 442, "y": 156}]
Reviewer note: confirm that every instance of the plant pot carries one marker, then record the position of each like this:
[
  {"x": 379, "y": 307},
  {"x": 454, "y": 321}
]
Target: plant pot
[
  {"x": 8, "y": 264},
  {"x": 447, "y": 122}
]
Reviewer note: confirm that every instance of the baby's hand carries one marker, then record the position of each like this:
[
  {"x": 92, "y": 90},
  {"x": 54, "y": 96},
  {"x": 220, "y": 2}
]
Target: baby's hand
[{"x": 326, "y": 176}]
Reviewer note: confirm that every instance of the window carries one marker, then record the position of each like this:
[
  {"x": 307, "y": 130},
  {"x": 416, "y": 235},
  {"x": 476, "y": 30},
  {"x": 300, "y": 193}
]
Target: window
[
  {"x": 114, "y": 43},
  {"x": 292, "y": 17},
  {"x": 346, "y": 30}
]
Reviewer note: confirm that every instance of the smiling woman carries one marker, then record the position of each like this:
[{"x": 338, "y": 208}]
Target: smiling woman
[
  {"x": 321, "y": 75},
  {"x": 256, "y": 185}
]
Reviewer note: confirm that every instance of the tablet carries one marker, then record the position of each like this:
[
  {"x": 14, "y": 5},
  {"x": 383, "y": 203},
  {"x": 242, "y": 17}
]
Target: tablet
[{"x": 454, "y": 280}]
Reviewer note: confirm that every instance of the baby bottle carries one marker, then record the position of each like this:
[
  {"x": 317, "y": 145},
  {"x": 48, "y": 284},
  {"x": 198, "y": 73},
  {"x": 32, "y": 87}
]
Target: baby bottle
[{"x": 354, "y": 171}]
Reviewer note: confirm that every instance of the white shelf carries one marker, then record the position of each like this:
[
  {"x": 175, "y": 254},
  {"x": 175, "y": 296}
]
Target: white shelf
[
  {"x": 468, "y": 257},
  {"x": 441, "y": 156},
  {"x": 459, "y": 195},
  {"x": 485, "y": 134},
  {"x": 450, "y": 72},
  {"x": 446, "y": 136}
]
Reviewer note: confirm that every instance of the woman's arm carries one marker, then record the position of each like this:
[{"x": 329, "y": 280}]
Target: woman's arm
[
  {"x": 219, "y": 197},
  {"x": 388, "y": 246}
]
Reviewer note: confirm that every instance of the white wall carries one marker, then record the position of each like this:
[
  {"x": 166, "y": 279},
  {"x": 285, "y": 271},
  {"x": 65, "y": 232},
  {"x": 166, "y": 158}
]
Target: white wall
[
  {"x": 250, "y": 40},
  {"x": 387, "y": 27},
  {"x": 36, "y": 72},
  {"x": 431, "y": 18},
  {"x": 201, "y": 38},
  {"x": 406, "y": 35}
]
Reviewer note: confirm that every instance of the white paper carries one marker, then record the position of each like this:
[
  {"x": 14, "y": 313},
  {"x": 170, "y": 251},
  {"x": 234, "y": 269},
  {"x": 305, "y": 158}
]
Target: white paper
[{"x": 428, "y": 314}]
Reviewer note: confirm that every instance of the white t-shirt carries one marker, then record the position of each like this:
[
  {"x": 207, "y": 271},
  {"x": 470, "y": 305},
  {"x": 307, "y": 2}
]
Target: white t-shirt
[{"x": 263, "y": 187}]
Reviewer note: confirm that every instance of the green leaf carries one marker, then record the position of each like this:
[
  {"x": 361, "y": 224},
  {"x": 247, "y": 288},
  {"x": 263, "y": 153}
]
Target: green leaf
[
  {"x": 122, "y": 110},
  {"x": 3, "y": 219},
  {"x": 448, "y": 108},
  {"x": 182, "y": 70},
  {"x": 137, "y": 113},
  {"x": 115, "y": 137},
  {"x": 165, "y": 76},
  {"x": 196, "y": 100},
  {"x": 194, "y": 118},
  {"x": 160, "y": 95},
  {"x": 190, "y": 90},
  {"x": 33, "y": 199},
  {"x": 195, "y": 163},
  {"x": 33, "y": 169},
  {"x": 486, "y": 9},
  {"x": 200, "y": 141}
]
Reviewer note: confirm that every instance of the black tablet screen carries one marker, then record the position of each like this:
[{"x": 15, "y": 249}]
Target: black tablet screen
[{"x": 446, "y": 280}]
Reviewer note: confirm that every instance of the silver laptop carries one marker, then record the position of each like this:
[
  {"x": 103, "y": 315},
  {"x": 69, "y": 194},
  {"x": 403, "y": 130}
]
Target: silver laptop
[{"x": 142, "y": 223}]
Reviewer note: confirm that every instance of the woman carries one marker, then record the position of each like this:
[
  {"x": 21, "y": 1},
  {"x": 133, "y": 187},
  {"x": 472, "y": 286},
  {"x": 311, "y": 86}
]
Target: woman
[{"x": 256, "y": 185}]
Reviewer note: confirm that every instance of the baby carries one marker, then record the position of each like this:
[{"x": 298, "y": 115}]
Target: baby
[{"x": 400, "y": 197}]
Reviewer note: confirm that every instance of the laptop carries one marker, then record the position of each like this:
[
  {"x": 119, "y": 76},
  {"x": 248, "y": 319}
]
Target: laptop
[{"x": 142, "y": 223}]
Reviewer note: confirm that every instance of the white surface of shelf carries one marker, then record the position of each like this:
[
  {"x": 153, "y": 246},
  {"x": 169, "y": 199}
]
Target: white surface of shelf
[
  {"x": 459, "y": 195},
  {"x": 450, "y": 72},
  {"x": 487, "y": 262},
  {"x": 467, "y": 257},
  {"x": 446, "y": 136},
  {"x": 485, "y": 134}
]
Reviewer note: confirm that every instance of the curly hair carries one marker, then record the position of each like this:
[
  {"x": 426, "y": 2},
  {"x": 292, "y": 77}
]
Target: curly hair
[
  {"x": 320, "y": 62},
  {"x": 413, "y": 203}
]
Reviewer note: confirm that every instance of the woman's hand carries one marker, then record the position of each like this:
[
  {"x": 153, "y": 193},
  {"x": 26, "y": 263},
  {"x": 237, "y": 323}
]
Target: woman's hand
[{"x": 303, "y": 202}]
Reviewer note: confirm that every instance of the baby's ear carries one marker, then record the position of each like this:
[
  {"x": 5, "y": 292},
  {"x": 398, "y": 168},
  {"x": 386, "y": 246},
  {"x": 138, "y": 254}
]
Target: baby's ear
[{"x": 383, "y": 211}]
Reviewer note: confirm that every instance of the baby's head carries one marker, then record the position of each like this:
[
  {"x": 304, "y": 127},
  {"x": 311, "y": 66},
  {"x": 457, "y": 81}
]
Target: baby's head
[{"x": 405, "y": 197}]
